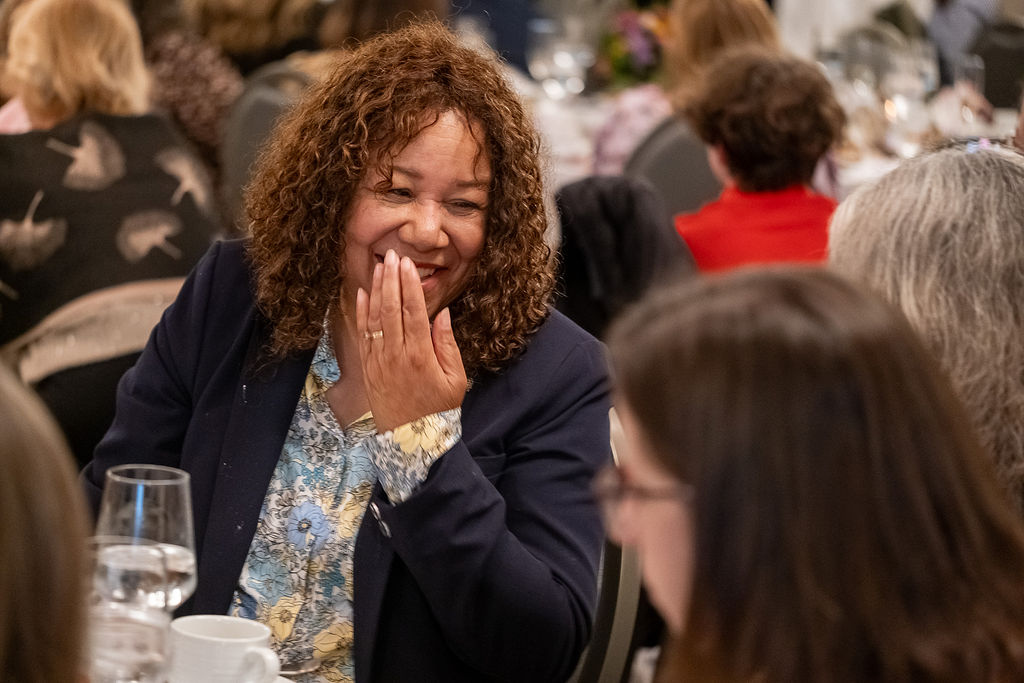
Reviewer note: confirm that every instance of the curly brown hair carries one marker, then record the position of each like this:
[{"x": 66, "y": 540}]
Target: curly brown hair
[
  {"x": 377, "y": 100},
  {"x": 775, "y": 115}
]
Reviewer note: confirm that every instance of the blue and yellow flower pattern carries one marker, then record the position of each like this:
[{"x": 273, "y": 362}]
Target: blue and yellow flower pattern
[{"x": 297, "y": 578}]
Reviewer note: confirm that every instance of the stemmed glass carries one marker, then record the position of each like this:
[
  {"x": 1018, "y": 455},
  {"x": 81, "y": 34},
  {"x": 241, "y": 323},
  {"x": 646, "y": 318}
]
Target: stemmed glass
[
  {"x": 143, "y": 566},
  {"x": 145, "y": 508}
]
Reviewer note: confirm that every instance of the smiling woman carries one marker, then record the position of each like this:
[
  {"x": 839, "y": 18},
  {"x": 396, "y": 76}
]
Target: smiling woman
[
  {"x": 321, "y": 370},
  {"x": 432, "y": 210}
]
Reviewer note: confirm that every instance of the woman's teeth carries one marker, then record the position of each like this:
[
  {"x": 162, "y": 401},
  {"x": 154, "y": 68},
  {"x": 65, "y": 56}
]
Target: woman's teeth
[{"x": 424, "y": 273}]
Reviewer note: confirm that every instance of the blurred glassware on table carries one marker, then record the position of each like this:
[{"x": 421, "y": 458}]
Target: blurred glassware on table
[
  {"x": 969, "y": 85},
  {"x": 926, "y": 58},
  {"x": 558, "y": 56},
  {"x": 904, "y": 90},
  {"x": 562, "y": 43}
]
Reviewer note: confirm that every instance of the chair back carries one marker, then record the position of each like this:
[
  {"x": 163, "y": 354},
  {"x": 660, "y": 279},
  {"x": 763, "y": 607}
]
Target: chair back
[
  {"x": 674, "y": 161},
  {"x": 268, "y": 93},
  {"x": 608, "y": 654}
]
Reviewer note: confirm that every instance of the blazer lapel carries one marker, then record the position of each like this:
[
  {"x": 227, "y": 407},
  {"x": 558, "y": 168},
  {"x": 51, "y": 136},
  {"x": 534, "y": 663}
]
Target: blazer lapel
[
  {"x": 262, "y": 411},
  {"x": 373, "y": 558}
]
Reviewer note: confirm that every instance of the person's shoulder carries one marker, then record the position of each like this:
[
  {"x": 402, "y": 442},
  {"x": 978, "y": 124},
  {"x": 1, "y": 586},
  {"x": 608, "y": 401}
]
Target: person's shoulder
[
  {"x": 559, "y": 341},
  {"x": 560, "y": 363},
  {"x": 559, "y": 331},
  {"x": 820, "y": 204},
  {"x": 225, "y": 262},
  {"x": 707, "y": 218},
  {"x": 218, "y": 293}
]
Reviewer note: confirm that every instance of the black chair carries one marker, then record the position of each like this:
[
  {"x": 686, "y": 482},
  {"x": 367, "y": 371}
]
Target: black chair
[{"x": 609, "y": 651}]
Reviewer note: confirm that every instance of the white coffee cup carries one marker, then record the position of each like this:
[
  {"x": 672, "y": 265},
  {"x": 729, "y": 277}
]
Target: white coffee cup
[{"x": 209, "y": 648}]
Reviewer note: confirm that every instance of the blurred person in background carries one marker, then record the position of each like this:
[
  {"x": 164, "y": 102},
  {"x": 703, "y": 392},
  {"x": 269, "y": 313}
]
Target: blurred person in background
[
  {"x": 941, "y": 237},
  {"x": 256, "y": 32},
  {"x": 105, "y": 209},
  {"x": 804, "y": 490},
  {"x": 194, "y": 83},
  {"x": 13, "y": 117},
  {"x": 698, "y": 31},
  {"x": 42, "y": 538},
  {"x": 767, "y": 119}
]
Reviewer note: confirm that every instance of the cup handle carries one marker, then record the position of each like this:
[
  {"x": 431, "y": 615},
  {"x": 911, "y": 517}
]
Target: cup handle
[{"x": 263, "y": 663}]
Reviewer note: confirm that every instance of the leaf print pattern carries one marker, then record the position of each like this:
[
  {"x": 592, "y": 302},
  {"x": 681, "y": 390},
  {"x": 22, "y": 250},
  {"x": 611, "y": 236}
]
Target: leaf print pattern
[
  {"x": 145, "y": 231},
  {"x": 190, "y": 175},
  {"x": 9, "y": 292},
  {"x": 97, "y": 162},
  {"x": 28, "y": 243}
]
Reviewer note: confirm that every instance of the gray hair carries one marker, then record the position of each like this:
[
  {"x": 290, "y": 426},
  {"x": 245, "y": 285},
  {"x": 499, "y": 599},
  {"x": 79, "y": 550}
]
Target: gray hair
[{"x": 942, "y": 237}]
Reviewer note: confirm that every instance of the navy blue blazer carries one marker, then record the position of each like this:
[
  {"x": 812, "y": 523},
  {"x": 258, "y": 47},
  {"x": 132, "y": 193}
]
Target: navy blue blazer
[{"x": 487, "y": 572}]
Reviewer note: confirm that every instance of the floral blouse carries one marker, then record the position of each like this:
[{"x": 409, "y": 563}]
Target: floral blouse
[{"x": 297, "y": 578}]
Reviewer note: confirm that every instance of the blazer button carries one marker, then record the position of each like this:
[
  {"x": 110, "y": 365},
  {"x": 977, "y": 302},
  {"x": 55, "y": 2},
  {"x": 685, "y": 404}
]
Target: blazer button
[{"x": 385, "y": 529}]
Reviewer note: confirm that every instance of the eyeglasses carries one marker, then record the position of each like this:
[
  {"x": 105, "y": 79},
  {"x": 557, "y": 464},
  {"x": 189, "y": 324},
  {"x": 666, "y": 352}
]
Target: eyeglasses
[{"x": 611, "y": 490}]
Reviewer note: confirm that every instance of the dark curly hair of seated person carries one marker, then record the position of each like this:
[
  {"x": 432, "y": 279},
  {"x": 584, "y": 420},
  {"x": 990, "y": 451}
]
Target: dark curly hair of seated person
[
  {"x": 773, "y": 115},
  {"x": 377, "y": 99}
]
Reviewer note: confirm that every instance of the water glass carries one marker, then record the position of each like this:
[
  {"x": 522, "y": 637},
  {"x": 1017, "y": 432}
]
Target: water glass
[
  {"x": 144, "y": 536},
  {"x": 128, "y": 643}
]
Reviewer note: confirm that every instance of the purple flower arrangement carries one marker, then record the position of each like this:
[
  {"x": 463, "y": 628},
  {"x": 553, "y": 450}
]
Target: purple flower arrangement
[{"x": 631, "y": 48}]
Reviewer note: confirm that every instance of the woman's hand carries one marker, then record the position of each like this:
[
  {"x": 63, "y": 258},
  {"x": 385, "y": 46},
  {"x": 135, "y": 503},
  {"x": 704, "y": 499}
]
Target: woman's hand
[{"x": 409, "y": 371}]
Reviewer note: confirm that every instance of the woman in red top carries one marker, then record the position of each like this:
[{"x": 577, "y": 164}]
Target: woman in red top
[{"x": 766, "y": 119}]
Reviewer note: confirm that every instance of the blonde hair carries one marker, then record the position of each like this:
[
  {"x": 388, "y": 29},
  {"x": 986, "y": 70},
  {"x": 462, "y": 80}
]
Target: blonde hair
[
  {"x": 942, "y": 237},
  {"x": 70, "y": 56},
  {"x": 702, "y": 29},
  {"x": 42, "y": 532},
  {"x": 242, "y": 26}
]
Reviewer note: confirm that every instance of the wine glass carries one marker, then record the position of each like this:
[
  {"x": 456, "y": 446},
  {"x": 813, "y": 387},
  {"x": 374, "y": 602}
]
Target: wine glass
[{"x": 145, "y": 508}]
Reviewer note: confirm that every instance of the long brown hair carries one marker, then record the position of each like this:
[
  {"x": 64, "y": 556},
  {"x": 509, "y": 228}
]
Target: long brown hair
[
  {"x": 378, "y": 98},
  {"x": 848, "y": 527},
  {"x": 42, "y": 536}
]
